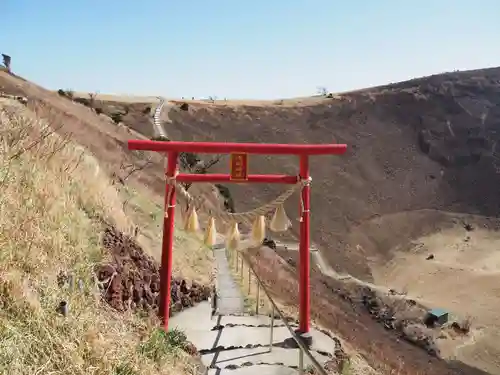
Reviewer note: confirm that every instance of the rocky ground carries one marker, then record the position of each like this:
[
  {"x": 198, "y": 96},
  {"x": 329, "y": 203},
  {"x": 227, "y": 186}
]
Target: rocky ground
[{"x": 131, "y": 280}]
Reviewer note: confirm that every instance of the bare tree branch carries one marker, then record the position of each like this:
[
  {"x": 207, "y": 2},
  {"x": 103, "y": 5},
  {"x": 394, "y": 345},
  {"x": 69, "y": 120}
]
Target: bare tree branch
[
  {"x": 202, "y": 168},
  {"x": 128, "y": 169},
  {"x": 35, "y": 142}
]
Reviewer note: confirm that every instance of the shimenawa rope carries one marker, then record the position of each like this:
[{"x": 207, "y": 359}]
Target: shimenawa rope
[{"x": 242, "y": 216}]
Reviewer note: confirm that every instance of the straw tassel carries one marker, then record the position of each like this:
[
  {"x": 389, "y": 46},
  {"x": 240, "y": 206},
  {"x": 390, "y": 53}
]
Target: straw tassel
[
  {"x": 185, "y": 217},
  {"x": 233, "y": 237},
  {"x": 280, "y": 222},
  {"x": 192, "y": 223},
  {"x": 185, "y": 214},
  {"x": 258, "y": 230},
  {"x": 211, "y": 234}
]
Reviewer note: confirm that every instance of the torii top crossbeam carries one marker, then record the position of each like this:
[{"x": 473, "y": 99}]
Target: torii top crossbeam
[{"x": 250, "y": 148}]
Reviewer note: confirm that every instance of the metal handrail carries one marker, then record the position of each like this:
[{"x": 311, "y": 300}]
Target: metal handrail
[{"x": 302, "y": 347}]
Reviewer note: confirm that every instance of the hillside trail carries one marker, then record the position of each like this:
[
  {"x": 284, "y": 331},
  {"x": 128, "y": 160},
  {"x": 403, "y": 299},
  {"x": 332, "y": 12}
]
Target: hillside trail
[{"x": 330, "y": 272}]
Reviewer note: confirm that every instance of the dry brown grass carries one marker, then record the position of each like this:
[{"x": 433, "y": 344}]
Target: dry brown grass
[
  {"x": 287, "y": 102},
  {"x": 118, "y": 98},
  {"x": 191, "y": 259},
  {"x": 53, "y": 201}
]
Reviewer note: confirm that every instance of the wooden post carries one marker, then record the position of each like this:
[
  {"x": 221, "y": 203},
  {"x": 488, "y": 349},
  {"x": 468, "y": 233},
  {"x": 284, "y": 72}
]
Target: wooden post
[
  {"x": 168, "y": 241},
  {"x": 304, "y": 266}
]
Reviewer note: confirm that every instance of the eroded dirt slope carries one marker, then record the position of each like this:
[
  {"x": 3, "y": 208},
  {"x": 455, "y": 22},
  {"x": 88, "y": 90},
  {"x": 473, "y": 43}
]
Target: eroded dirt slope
[{"x": 427, "y": 143}]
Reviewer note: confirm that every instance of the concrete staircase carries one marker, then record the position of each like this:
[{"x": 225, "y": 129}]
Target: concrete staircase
[
  {"x": 230, "y": 299},
  {"x": 233, "y": 342}
]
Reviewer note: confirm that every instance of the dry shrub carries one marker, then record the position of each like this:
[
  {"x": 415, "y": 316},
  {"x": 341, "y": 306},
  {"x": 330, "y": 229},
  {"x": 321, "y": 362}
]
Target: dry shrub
[
  {"x": 466, "y": 323},
  {"x": 53, "y": 200}
]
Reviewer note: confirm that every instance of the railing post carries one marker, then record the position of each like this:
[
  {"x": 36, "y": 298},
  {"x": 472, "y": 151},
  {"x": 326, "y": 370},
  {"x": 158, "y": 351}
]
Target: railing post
[
  {"x": 258, "y": 298},
  {"x": 241, "y": 269},
  {"x": 301, "y": 362},
  {"x": 249, "y": 280},
  {"x": 272, "y": 328},
  {"x": 236, "y": 259}
]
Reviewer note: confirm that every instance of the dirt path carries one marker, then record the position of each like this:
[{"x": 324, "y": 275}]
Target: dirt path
[{"x": 329, "y": 271}]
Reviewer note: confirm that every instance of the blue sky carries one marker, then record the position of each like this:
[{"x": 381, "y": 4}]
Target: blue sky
[{"x": 244, "y": 49}]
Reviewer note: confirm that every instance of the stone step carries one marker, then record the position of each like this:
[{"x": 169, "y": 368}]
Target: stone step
[
  {"x": 253, "y": 370},
  {"x": 258, "y": 357},
  {"x": 251, "y": 336}
]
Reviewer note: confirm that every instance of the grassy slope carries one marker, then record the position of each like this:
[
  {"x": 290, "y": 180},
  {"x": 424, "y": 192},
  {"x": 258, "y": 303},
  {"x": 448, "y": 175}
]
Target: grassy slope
[{"x": 52, "y": 203}]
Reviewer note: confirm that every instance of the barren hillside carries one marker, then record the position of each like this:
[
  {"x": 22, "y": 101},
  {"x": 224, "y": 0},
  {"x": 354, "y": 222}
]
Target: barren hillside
[
  {"x": 421, "y": 144},
  {"x": 422, "y": 158},
  {"x": 424, "y": 144}
]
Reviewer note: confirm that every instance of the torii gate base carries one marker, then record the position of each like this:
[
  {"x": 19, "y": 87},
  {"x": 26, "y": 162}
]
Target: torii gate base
[{"x": 172, "y": 149}]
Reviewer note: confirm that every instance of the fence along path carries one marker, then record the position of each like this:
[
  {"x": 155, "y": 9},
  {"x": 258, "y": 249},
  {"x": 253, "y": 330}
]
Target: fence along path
[{"x": 240, "y": 341}]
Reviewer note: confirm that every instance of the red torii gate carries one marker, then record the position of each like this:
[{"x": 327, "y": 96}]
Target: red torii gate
[{"x": 172, "y": 149}]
